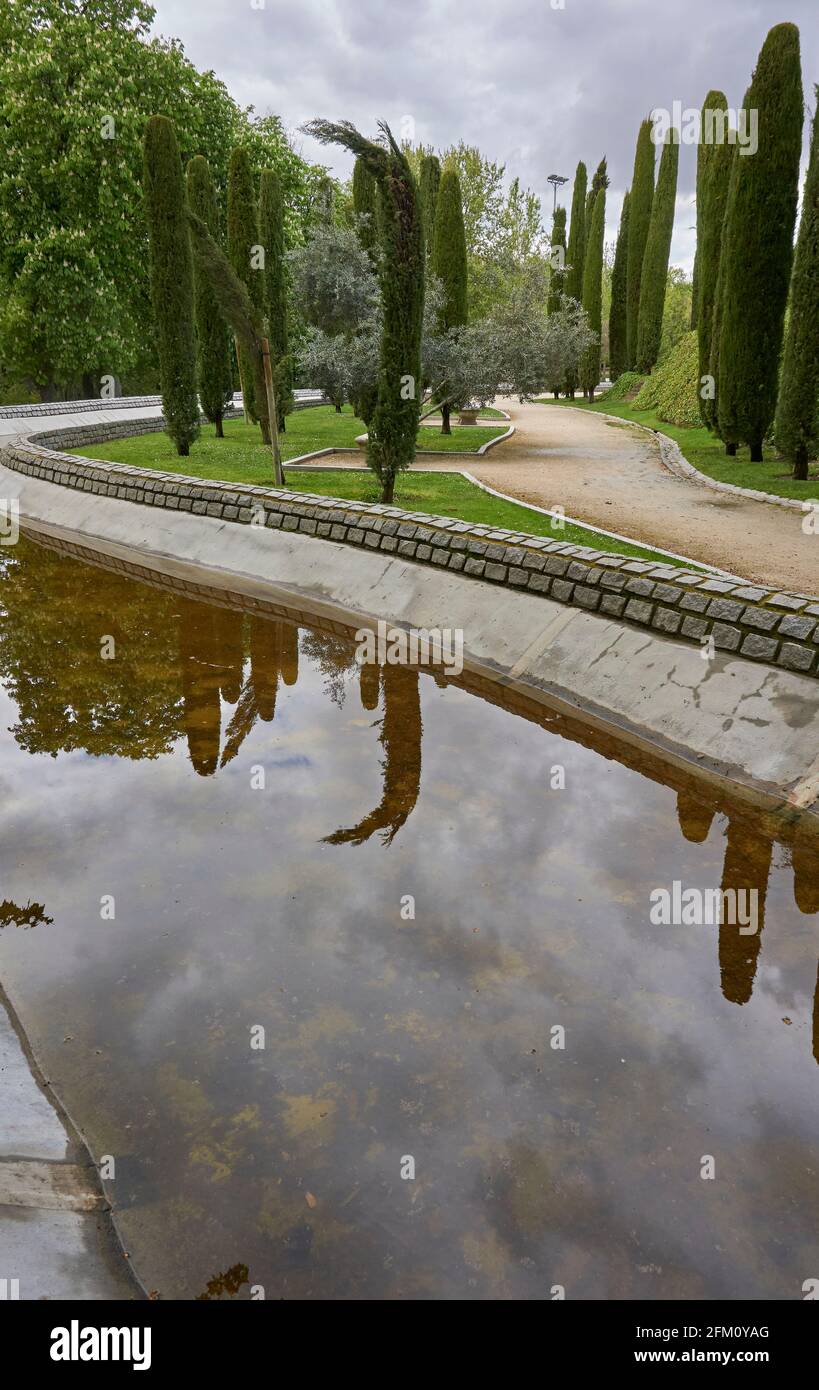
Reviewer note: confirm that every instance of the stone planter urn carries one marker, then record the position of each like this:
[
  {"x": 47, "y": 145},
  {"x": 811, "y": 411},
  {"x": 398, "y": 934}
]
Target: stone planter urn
[{"x": 469, "y": 415}]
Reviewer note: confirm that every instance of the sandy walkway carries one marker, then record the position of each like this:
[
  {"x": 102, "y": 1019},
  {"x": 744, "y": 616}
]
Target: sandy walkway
[{"x": 612, "y": 476}]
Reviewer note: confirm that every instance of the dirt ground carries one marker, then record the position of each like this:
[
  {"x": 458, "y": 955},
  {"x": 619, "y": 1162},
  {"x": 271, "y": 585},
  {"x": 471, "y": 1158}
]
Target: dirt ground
[{"x": 612, "y": 476}]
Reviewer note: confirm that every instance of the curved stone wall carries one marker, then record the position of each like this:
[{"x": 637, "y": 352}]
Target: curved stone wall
[{"x": 756, "y": 623}]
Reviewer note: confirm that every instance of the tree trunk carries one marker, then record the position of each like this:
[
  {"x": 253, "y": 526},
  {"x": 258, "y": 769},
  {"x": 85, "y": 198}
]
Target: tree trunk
[
  {"x": 756, "y": 451},
  {"x": 445, "y": 425},
  {"x": 800, "y": 465},
  {"x": 387, "y": 491},
  {"x": 220, "y": 433},
  {"x": 731, "y": 450},
  {"x": 338, "y": 409}
]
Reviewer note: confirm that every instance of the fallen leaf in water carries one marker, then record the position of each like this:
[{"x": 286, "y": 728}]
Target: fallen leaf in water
[{"x": 310, "y": 1199}]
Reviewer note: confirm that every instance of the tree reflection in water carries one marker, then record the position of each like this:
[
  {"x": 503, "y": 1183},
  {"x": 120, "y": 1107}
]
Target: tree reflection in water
[{"x": 179, "y": 659}]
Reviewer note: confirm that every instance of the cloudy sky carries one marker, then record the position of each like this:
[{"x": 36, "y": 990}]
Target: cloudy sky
[{"x": 536, "y": 84}]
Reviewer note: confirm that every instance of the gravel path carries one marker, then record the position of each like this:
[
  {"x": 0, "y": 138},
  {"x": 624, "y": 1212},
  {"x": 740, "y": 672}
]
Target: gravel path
[{"x": 612, "y": 476}]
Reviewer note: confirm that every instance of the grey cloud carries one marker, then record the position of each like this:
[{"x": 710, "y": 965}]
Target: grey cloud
[{"x": 534, "y": 87}]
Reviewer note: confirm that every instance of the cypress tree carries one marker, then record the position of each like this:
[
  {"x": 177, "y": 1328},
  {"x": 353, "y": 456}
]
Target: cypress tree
[
  {"x": 618, "y": 362},
  {"x": 759, "y": 224},
  {"x": 575, "y": 253},
  {"x": 655, "y": 257},
  {"x": 394, "y": 426},
  {"x": 243, "y": 247},
  {"x": 639, "y": 217},
  {"x": 600, "y": 179},
  {"x": 171, "y": 281},
  {"x": 430, "y": 182},
  {"x": 213, "y": 342},
  {"x": 714, "y": 160},
  {"x": 593, "y": 292},
  {"x": 695, "y": 280},
  {"x": 557, "y": 274},
  {"x": 797, "y": 421},
  {"x": 274, "y": 289},
  {"x": 576, "y": 248},
  {"x": 449, "y": 261},
  {"x": 557, "y": 259},
  {"x": 364, "y": 206}
]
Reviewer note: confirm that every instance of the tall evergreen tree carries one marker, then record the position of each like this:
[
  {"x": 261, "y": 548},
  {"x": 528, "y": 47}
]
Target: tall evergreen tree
[
  {"x": 618, "y": 361},
  {"x": 576, "y": 248},
  {"x": 394, "y": 426},
  {"x": 449, "y": 261},
  {"x": 600, "y": 179},
  {"x": 714, "y": 158},
  {"x": 759, "y": 225},
  {"x": 797, "y": 412},
  {"x": 557, "y": 273},
  {"x": 575, "y": 252},
  {"x": 274, "y": 288},
  {"x": 171, "y": 281},
  {"x": 655, "y": 257},
  {"x": 365, "y": 202},
  {"x": 243, "y": 253},
  {"x": 695, "y": 281},
  {"x": 213, "y": 341},
  {"x": 593, "y": 292},
  {"x": 557, "y": 257},
  {"x": 639, "y": 217},
  {"x": 429, "y": 183}
]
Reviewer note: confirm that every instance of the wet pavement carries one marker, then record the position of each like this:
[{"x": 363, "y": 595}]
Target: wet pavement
[{"x": 283, "y": 932}]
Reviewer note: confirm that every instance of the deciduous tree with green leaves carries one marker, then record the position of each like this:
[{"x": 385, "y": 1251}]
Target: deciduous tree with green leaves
[
  {"x": 171, "y": 281},
  {"x": 79, "y": 80}
]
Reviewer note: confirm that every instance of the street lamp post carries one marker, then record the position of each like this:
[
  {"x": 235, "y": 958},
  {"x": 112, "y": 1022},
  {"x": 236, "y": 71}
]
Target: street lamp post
[{"x": 556, "y": 180}]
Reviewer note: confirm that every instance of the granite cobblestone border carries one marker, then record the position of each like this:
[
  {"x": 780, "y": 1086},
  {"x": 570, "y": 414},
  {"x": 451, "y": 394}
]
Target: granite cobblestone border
[{"x": 758, "y": 623}]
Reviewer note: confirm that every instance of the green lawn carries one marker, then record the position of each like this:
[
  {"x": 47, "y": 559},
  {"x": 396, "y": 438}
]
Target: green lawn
[
  {"x": 241, "y": 456},
  {"x": 708, "y": 454}
]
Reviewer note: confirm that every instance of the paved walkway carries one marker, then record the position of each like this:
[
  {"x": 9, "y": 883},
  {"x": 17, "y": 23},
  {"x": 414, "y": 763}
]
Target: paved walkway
[{"x": 612, "y": 476}]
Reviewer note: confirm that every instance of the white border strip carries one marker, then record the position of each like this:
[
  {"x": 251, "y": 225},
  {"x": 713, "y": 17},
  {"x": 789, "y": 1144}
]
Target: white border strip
[{"x": 612, "y": 535}]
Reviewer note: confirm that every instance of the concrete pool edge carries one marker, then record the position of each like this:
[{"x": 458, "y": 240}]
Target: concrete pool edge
[
  {"x": 752, "y": 726},
  {"x": 67, "y": 1244}
]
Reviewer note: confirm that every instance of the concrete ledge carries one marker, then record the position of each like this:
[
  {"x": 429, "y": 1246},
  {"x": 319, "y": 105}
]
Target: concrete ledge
[
  {"x": 748, "y": 724},
  {"x": 760, "y": 624}
]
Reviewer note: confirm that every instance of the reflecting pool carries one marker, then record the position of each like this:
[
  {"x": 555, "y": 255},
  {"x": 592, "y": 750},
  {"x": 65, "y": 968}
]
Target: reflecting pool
[{"x": 284, "y": 931}]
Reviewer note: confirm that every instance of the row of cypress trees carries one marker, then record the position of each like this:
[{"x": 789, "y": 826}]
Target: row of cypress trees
[
  {"x": 192, "y": 333},
  {"x": 641, "y": 255},
  {"x": 746, "y": 218},
  {"x": 582, "y": 278}
]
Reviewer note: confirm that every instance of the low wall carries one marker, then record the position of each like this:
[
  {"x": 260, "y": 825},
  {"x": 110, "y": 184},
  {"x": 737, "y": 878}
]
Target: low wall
[{"x": 759, "y": 624}]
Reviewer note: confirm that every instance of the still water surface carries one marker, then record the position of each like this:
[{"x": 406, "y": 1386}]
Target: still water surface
[{"x": 387, "y": 1036}]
